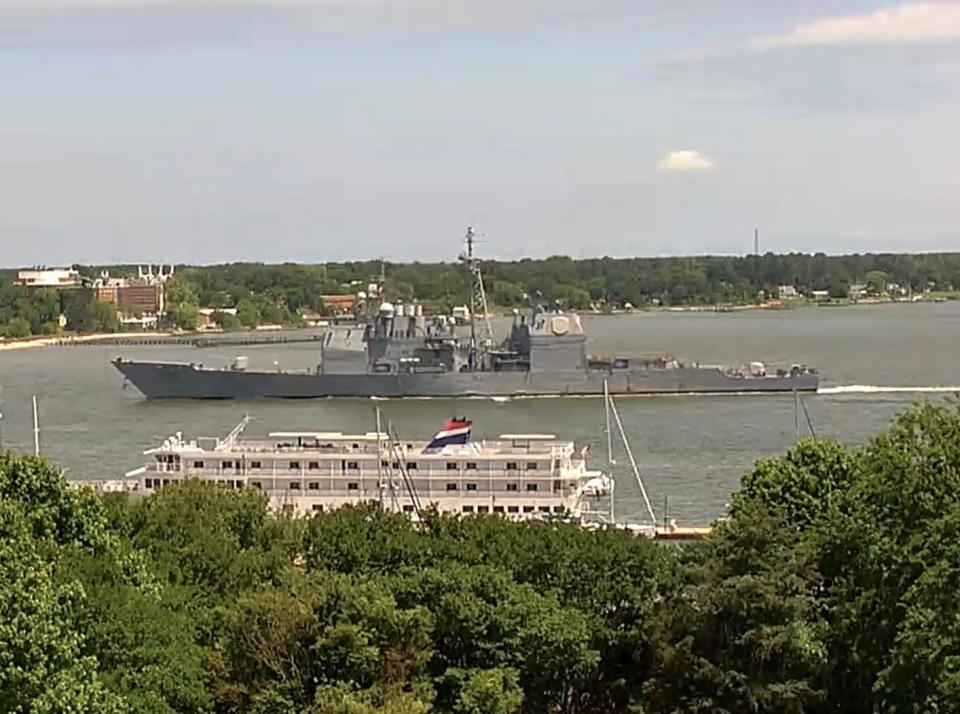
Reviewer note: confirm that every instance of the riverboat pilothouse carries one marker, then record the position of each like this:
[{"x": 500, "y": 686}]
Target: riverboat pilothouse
[{"x": 521, "y": 476}]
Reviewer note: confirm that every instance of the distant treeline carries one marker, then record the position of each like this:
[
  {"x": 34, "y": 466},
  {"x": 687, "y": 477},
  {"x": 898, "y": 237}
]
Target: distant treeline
[
  {"x": 578, "y": 284},
  {"x": 834, "y": 586},
  {"x": 282, "y": 293}
]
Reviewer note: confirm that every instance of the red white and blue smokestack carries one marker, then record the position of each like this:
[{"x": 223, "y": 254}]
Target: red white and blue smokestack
[{"x": 456, "y": 431}]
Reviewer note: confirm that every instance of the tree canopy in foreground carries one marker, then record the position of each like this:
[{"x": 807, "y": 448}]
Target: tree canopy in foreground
[{"x": 833, "y": 586}]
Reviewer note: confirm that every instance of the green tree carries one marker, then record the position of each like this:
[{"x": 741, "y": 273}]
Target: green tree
[
  {"x": 17, "y": 328},
  {"x": 248, "y": 313},
  {"x": 105, "y": 318},
  {"x": 184, "y": 316},
  {"x": 803, "y": 485},
  {"x": 226, "y": 320},
  {"x": 744, "y": 635}
]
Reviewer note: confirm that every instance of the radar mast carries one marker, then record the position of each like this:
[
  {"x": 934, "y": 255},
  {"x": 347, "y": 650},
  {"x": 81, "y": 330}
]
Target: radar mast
[{"x": 481, "y": 334}]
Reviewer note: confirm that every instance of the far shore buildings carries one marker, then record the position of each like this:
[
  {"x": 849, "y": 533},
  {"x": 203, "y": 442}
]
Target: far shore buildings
[
  {"x": 339, "y": 304},
  {"x": 142, "y": 296},
  {"x": 42, "y": 277}
]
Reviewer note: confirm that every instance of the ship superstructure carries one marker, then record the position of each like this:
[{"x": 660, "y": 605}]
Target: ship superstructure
[{"x": 521, "y": 476}]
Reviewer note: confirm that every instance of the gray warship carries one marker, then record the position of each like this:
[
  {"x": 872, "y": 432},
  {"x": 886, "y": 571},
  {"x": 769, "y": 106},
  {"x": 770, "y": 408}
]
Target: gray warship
[{"x": 395, "y": 351}]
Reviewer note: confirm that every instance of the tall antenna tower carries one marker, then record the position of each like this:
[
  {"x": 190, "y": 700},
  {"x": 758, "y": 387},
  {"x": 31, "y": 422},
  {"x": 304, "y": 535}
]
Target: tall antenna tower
[
  {"x": 481, "y": 335},
  {"x": 756, "y": 260}
]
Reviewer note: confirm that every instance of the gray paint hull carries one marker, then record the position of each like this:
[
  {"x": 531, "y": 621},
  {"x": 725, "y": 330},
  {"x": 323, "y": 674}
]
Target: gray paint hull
[{"x": 160, "y": 380}]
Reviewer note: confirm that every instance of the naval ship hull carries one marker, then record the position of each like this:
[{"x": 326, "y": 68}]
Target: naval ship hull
[{"x": 163, "y": 380}]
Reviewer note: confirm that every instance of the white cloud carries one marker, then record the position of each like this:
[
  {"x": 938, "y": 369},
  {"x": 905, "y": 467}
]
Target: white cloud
[
  {"x": 903, "y": 24},
  {"x": 686, "y": 160}
]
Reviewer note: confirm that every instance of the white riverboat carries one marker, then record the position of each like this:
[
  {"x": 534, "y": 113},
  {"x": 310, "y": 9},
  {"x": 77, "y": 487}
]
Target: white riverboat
[{"x": 521, "y": 476}]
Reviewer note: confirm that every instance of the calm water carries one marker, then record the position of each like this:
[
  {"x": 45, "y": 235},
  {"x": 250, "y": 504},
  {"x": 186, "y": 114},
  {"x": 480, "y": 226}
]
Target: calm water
[{"x": 691, "y": 449}]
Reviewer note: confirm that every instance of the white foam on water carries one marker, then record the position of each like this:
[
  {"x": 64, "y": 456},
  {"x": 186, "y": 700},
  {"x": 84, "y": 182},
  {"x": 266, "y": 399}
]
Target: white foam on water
[{"x": 872, "y": 389}]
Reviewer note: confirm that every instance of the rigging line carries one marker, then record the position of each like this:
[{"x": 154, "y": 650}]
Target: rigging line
[
  {"x": 806, "y": 415},
  {"x": 633, "y": 463}
]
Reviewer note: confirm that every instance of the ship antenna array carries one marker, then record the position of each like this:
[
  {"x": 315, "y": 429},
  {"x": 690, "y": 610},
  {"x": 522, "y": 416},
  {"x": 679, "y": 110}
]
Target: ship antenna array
[{"x": 482, "y": 334}]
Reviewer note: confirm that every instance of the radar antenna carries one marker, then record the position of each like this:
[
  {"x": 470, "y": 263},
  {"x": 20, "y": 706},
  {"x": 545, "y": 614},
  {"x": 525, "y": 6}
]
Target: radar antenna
[{"x": 481, "y": 335}]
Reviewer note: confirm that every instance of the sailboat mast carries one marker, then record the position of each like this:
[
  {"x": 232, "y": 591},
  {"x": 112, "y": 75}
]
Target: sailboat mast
[
  {"x": 613, "y": 483},
  {"x": 36, "y": 428},
  {"x": 380, "y": 486}
]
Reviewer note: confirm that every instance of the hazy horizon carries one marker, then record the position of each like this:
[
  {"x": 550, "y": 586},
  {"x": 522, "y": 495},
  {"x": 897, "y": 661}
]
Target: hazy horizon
[
  {"x": 213, "y": 131},
  {"x": 484, "y": 258}
]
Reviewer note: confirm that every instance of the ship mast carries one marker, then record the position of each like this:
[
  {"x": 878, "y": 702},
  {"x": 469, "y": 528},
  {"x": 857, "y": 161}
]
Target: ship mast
[{"x": 480, "y": 335}]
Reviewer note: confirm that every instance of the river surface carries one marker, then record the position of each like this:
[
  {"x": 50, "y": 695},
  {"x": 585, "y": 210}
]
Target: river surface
[{"x": 691, "y": 450}]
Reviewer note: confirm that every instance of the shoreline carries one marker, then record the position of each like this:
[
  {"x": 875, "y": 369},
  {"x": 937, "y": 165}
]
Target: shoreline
[
  {"x": 65, "y": 340},
  {"x": 774, "y": 305},
  {"x": 60, "y": 340}
]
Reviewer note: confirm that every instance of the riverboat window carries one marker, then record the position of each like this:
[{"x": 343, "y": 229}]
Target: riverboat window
[
  {"x": 395, "y": 465},
  {"x": 471, "y": 487},
  {"x": 558, "y": 509},
  {"x": 471, "y": 466},
  {"x": 451, "y": 466},
  {"x": 532, "y": 466},
  {"x": 498, "y": 509},
  {"x": 294, "y": 486},
  {"x": 256, "y": 484},
  {"x": 255, "y": 465},
  {"x": 451, "y": 487},
  {"x": 353, "y": 486},
  {"x": 227, "y": 464},
  {"x": 198, "y": 464},
  {"x": 314, "y": 486},
  {"x": 318, "y": 507},
  {"x": 556, "y": 485},
  {"x": 556, "y": 463},
  {"x": 412, "y": 466},
  {"x": 385, "y": 464},
  {"x": 313, "y": 465},
  {"x": 353, "y": 465},
  {"x": 513, "y": 487},
  {"x": 511, "y": 466},
  {"x": 468, "y": 509},
  {"x": 513, "y": 509},
  {"x": 483, "y": 509},
  {"x": 148, "y": 483},
  {"x": 408, "y": 509},
  {"x": 531, "y": 487},
  {"x": 294, "y": 465},
  {"x": 528, "y": 509},
  {"x": 544, "y": 509}
]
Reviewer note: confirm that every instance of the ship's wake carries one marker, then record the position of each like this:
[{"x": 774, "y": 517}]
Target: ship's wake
[{"x": 872, "y": 389}]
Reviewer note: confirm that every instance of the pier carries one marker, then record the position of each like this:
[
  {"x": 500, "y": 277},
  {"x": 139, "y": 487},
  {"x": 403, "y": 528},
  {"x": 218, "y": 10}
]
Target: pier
[{"x": 157, "y": 340}]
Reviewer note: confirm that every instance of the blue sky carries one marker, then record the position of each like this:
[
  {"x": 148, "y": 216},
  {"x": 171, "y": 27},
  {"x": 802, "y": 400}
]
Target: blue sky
[{"x": 311, "y": 130}]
